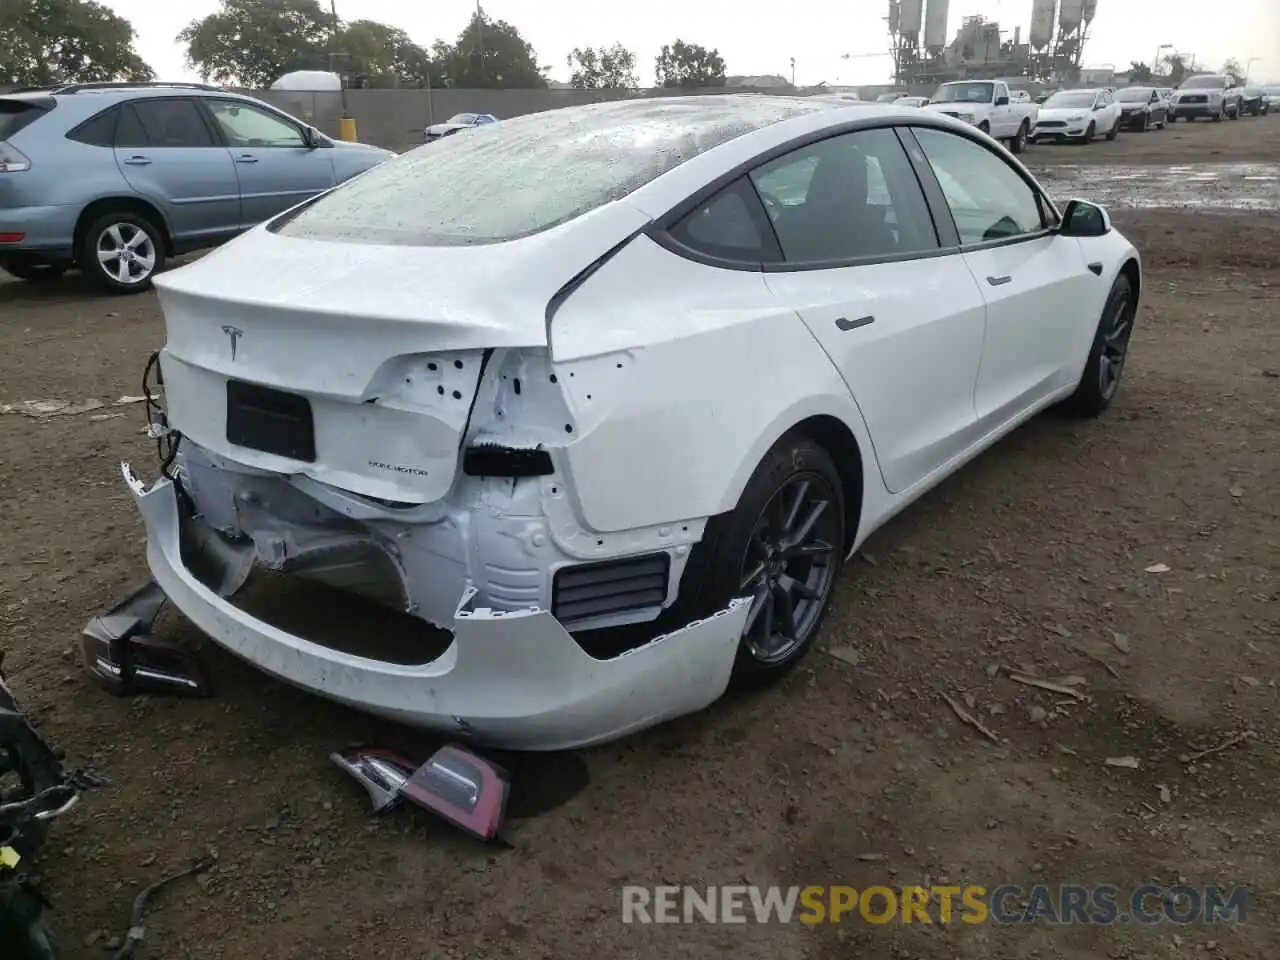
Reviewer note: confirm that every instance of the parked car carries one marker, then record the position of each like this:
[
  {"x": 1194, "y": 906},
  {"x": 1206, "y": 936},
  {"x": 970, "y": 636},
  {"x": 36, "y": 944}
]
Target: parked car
[
  {"x": 118, "y": 178},
  {"x": 1142, "y": 108},
  {"x": 1253, "y": 102},
  {"x": 459, "y": 121},
  {"x": 1020, "y": 96},
  {"x": 911, "y": 101},
  {"x": 1216, "y": 96},
  {"x": 891, "y": 97},
  {"x": 1272, "y": 95},
  {"x": 987, "y": 105},
  {"x": 1078, "y": 115},
  {"x": 602, "y": 440}
]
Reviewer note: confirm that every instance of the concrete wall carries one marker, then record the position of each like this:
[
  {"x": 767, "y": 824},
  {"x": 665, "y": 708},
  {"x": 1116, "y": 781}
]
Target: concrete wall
[{"x": 395, "y": 118}]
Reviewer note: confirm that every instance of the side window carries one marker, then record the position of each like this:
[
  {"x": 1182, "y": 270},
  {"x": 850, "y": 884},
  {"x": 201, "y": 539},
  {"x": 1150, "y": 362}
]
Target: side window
[
  {"x": 988, "y": 198},
  {"x": 244, "y": 125},
  {"x": 97, "y": 131},
  {"x": 729, "y": 226},
  {"x": 164, "y": 123},
  {"x": 845, "y": 198}
]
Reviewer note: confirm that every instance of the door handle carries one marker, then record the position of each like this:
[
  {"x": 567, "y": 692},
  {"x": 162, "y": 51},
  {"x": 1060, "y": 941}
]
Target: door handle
[
  {"x": 844, "y": 323},
  {"x": 999, "y": 281},
  {"x": 138, "y": 161},
  {"x": 246, "y": 158}
]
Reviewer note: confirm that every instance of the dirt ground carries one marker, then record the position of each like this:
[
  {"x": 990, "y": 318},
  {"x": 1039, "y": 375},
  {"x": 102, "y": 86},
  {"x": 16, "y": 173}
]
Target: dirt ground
[{"x": 1036, "y": 558}]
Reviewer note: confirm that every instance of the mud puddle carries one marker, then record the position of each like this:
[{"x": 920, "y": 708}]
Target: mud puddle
[{"x": 1225, "y": 186}]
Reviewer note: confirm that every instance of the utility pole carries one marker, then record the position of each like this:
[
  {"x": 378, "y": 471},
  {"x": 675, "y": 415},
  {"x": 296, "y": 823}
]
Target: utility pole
[
  {"x": 480, "y": 38},
  {"x": 347, "y": 124}
]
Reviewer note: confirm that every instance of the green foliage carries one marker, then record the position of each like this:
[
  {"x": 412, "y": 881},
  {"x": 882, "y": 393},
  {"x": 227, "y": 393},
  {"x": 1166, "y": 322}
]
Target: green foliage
[
  {"x": 254, "y": 42},
  {"x": 686, "y": 65},
  {"x": 603, "y": 68},
  {"x": 488, "y": 54},
  {"x": 50, "y": 41}
]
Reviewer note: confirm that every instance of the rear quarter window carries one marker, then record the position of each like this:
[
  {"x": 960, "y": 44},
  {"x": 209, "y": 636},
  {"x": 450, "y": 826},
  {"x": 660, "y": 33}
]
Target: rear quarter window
[
  {"x": 17, "y": 114},
  {"x": 502, "y": 181},
  {"x": 99, "y": 130}
]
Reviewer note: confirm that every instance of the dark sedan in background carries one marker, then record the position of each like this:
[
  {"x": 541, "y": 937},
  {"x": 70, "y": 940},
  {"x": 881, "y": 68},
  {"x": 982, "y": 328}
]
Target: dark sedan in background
[
  {"x": 1255, "y": 102},
  {"x": 1142, "y": 108}
]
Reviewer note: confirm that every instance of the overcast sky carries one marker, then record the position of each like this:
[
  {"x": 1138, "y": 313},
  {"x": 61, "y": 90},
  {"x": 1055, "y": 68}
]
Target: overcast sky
[{"x": 757, "y": 37}]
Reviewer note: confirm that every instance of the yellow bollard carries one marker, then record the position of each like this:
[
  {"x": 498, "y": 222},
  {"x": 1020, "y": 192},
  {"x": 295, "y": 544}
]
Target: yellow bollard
[{"x": 347, "y": 129}]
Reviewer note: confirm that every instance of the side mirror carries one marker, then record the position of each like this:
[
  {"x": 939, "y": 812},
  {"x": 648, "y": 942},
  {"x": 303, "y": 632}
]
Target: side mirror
[
  {"x": 1084, "y": 219},
  {"x": 1002, "y": 101},
  {"x": 309, "y": 138}
]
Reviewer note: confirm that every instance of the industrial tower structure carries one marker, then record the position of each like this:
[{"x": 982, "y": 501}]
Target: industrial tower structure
[{"x": 1052, "y": 52}]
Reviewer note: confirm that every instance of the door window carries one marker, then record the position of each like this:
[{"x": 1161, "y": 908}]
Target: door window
[
  {"x": 247, "y": 126},
  {"x": 162, "y": 123},
  {"x": 988, "y": 198},
  {"x": 846, "y": 198}
]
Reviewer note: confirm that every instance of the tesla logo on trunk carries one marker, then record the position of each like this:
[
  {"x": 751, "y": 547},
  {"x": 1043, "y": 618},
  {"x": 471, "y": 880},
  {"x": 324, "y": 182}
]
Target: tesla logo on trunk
[{"x": 233, "y": 334}]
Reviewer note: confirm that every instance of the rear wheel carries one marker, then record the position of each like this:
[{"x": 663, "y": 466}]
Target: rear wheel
[
  {"x": 122, "y": 251},
  {"x": 1107, "y": 355},
  {"x": 782, "y": 547},
  {"x": 1019, "y": 142}
]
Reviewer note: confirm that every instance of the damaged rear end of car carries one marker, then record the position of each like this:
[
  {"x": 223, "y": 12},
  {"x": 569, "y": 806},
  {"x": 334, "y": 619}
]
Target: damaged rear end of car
[{"x": 363, "y": 488}]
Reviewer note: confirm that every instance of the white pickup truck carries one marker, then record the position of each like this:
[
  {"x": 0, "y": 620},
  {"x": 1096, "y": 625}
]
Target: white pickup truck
[{"x": 988, "y": 105}]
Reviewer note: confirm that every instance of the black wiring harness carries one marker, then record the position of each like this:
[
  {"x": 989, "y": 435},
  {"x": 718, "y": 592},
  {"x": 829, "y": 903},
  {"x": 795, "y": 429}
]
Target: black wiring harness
[{"x": 167, "y": 439}]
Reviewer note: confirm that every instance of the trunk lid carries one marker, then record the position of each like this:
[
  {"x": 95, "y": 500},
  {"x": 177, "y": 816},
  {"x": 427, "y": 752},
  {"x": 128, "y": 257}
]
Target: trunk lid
[{"x": 357, "y": 364}]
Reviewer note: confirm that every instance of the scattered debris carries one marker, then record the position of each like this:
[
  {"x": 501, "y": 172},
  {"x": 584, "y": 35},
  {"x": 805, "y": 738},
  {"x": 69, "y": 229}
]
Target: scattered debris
[
  {"x": 1227, "y": 744},
  {"x": 126, "y": 400},
  {"x": 1074, "y": 680},
  {"x": 1098, "y": 659},
  {"x": 1039, "y": 714},
  {"x": 1046, "y": 685},
  {"x": 1069, "y": 751},
  {"x": 51, "y": 408},
  {"x": 1166, "y": 795},
  {"x": 1236, "y": 492},
  {"x": 1060, "y": 631},
  {"x": 1120, "y": 641},
  {"x": 136, "y": 930},
  {"x": 871, "y": 857},
  {"x": 1128, "y": 763},
  {"x": 966, "y": 717},
  {"x": 1158, "y": 568},
  {"x": 849, "y": 655},
  {"x": 106, "y": 416},
  {"x": 1250, "y": 681}
]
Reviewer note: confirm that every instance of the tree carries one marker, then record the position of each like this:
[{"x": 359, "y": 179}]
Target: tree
[
  {"x": 603, "y": 68},
  {"x": 1139, "y": 72},
  {"x": 52, "y": 41},
  {"x": 1232, "y": 66},
  {"x": 683, "y": 64},
  {"x": 254, "y": 42},
  {"x": 1177, "y": 66},
  {"x": 381, "y": 55},
  {"x": 488, "y": 54}
]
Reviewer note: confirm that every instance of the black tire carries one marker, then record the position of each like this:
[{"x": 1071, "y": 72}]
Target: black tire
[
  {"x": 1090, "y": 133},
  {"x": 1019, "y": 143},
  {"x": 1113, "y": 132},
  {"x": 1096, "y": 391},
  {"x": 1146, "y": 123},
  {"x": 985, "y": 127},
  {"x": 33, "y": 272},
  {"x": 731, "y": 549},
  {"x": 99, "y": 235}
]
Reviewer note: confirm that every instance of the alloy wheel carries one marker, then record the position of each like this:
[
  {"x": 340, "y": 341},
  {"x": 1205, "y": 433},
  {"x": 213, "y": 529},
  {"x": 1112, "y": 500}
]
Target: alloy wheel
[
  {"x": 790, "y": 566},
  {"x": 1115, "y": 347},
  {"x": 127, "y": 253}
]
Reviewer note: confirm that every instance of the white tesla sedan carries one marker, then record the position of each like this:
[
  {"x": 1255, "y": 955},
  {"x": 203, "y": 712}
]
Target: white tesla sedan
[{"x": 596, "y": 401}]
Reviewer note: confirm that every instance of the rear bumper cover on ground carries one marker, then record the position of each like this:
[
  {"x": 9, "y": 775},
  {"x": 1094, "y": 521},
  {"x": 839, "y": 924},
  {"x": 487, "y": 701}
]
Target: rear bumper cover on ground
[{"x": 509, "y": 679}]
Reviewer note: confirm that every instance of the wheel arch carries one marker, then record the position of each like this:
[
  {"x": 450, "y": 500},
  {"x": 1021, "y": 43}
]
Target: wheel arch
[
  {"x": 1133, "y": 273},
  {"x": 848, "y": 445},
  {"x": 135, "y": 205}
]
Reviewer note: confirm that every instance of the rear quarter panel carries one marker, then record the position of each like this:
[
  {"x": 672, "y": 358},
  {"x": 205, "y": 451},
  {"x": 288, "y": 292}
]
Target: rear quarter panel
[{"x": 690, "y": 374}]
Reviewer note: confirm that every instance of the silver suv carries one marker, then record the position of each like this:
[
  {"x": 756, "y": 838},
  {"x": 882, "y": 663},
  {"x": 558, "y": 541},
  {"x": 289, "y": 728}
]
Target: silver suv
[{"x": 116, "y": 178}]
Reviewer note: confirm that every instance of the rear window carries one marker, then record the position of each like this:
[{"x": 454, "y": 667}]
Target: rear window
[
  {"x": 508, "y": 180},
  {"x": 16, "y": 114}
]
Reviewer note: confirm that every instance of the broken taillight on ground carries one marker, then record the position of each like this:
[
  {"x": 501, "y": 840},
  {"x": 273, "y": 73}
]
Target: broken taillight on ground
[
  {"x": 456, "y": 784},
  {"x": 122, "y": 656}
]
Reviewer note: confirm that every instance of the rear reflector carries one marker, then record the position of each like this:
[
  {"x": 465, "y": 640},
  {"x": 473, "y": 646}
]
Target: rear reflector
[
  {"x": 12, "y": 237},
  {"x": 591, "y": 590}
]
